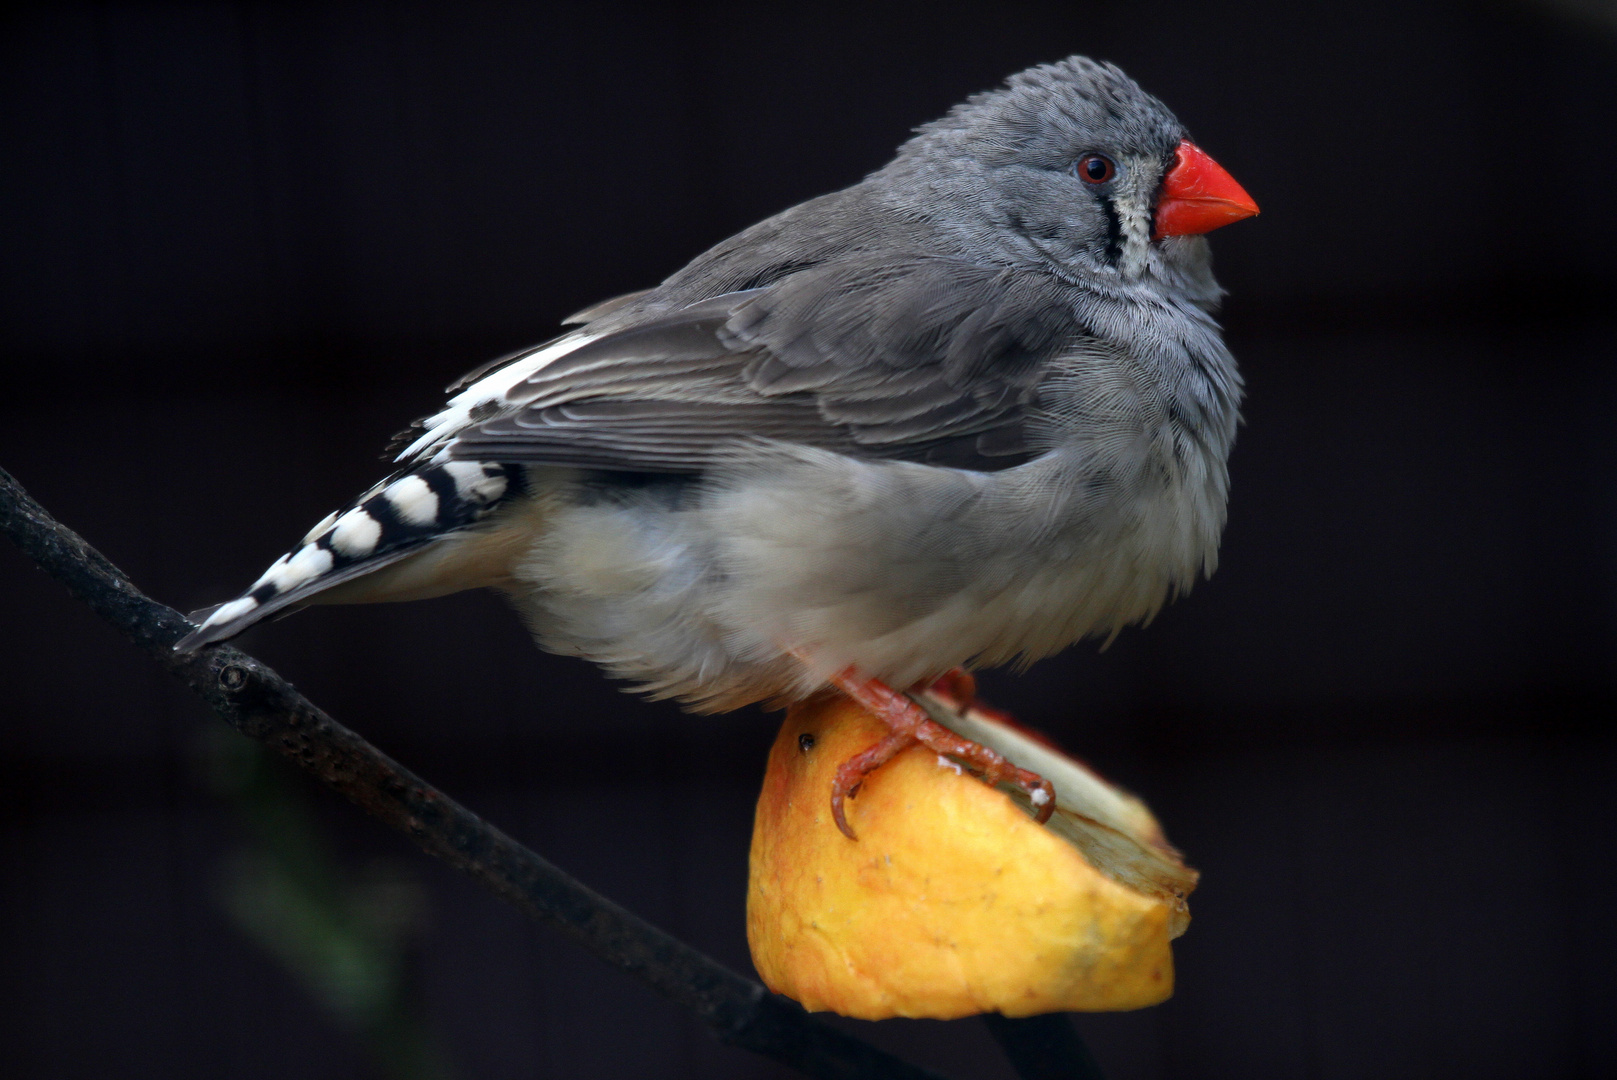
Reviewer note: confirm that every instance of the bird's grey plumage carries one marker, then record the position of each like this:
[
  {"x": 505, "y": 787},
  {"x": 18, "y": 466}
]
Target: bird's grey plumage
[{"x": 966, "y": 411}]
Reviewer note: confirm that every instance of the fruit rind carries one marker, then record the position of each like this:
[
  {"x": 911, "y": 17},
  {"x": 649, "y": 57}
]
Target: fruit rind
[{"x": 953, "y": 901}]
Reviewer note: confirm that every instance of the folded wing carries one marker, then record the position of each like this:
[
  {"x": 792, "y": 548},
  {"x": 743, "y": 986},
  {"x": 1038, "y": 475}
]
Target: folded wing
[{"x": 923, "y": 359}]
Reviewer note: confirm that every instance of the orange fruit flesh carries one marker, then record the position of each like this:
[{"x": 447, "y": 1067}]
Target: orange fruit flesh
[{"x": 953, "y": 901}]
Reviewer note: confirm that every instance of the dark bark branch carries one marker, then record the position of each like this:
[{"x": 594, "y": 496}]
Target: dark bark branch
[
  {"x": 1044, "y": 1047},
  {"x": 257, "y": 702}
]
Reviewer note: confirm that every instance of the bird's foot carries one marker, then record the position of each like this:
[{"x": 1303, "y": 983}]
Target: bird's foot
[
  {"x": 957, "y": 688},
  {"x": 910, "y": 725}
]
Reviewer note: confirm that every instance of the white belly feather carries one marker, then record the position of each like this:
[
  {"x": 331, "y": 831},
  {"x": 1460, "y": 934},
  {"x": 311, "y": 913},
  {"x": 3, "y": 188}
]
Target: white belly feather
[{"x": 898, "y": 569}]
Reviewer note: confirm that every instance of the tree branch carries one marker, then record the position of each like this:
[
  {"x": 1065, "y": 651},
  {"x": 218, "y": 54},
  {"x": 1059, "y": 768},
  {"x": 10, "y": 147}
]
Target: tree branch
[
  {"x": 254, "y": 700},
  {"x": 1043, "y": 1047}
]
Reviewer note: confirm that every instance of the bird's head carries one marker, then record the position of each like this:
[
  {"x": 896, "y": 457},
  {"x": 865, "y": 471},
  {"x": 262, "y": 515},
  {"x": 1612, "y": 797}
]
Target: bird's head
[{"x": 1072, "y": 165}]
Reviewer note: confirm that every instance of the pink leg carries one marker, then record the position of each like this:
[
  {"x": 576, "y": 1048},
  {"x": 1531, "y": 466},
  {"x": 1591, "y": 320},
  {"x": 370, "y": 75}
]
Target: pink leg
[
  {"x": 958, "y": 687},
  {"x": 911, "y": 725}
]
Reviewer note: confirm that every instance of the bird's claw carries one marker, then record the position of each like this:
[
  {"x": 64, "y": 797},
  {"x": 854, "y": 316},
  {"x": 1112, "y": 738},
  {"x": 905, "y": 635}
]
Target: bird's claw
[
  {"x": 910, "y": 725},
  {"x": 851, "y": 774}
]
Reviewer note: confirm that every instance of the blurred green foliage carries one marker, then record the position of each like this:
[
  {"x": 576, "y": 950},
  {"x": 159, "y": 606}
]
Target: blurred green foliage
[{"x": 344, "y": 933}]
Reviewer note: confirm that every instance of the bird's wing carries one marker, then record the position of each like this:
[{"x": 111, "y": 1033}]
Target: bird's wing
[{"x": 921, "y": 359}]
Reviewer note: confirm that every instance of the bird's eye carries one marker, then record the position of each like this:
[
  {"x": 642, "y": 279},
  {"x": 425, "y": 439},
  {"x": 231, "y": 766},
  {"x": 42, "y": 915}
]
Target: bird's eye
[{"x": 1096, "y": 169}]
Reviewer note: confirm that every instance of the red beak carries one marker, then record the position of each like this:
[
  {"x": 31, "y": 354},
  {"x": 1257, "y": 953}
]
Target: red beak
[{"x": 1198, "y": 196}]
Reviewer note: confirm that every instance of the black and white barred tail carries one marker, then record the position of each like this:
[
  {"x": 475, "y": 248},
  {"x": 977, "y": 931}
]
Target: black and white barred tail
[{"x": 398, "y": 518}]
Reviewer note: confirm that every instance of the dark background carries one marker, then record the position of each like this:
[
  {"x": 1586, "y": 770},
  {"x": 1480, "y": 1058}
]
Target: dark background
[{"x": 244, "y": 244}]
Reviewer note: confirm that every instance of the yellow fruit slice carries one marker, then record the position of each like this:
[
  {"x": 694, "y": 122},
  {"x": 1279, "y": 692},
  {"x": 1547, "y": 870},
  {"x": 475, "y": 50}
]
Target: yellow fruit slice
[{"x": 953, "y": 901}]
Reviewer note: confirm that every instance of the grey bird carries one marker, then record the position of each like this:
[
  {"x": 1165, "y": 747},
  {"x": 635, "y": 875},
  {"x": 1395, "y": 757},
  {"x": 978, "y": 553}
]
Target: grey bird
[{"x": 964, "y": 413}]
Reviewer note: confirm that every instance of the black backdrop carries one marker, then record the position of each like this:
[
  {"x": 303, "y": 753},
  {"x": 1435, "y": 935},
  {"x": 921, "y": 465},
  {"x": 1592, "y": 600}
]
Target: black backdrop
[{"x": 243, "y": 244}]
